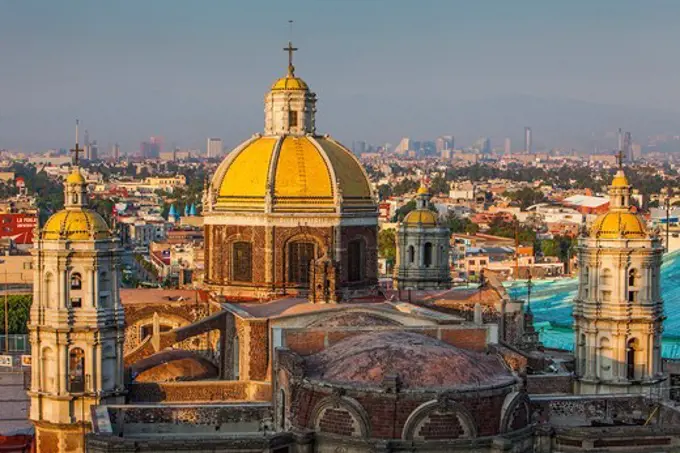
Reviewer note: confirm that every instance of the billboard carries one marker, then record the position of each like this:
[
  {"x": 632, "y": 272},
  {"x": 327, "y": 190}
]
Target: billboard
[{"x": 18, "y": 227}]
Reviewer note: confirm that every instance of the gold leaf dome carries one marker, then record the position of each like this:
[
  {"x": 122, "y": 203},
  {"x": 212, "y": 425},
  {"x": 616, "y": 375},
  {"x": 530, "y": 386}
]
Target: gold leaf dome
[
  {"x": 76, "y": 225},
  {"x": 76, "y": 177},
  {"x": 421, "y": 217},
  {"x": 618, "y": 225},
  {"x": 292, "y": 173},
  {"x": 290, "y": 83}
]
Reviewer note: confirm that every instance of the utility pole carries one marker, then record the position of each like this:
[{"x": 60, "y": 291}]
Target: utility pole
[{"x": 6, "y": 314}]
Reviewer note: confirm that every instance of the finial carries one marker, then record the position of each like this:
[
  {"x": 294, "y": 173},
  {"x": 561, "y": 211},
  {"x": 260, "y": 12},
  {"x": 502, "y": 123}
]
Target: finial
[
  {"x": 77, "y": 149},
  {"x": 290, "y": 49}
]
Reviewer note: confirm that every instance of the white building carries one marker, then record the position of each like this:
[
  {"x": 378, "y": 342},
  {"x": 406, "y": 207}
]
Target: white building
[
  {"x": 213, "y": 147},
  {"x": 618, "y": 311},
  {"x": 76, "y": 322}
]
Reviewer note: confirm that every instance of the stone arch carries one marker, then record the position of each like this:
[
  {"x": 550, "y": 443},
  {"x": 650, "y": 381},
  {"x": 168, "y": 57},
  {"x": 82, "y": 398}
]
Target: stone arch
[
  {"x": 340, "y": 415},
  {"x": 453, "y": 416},
  {"x": 515, "y": 413},
  {"x": 355, "y": 258},
  {"x": 428, "y": 255},
  {"x": 319, "y": 251},
  {"x": 411, "y": 252}
]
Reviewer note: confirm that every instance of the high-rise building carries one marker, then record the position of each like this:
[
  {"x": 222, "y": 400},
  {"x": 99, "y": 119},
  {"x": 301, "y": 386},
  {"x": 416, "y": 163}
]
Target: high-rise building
[
  {"x": 483, "y": 145},
  {"x": 76, "y": 322},
  {"x": 507, "y": 146},
  {"x": 527, "y": 140},
  {"x": 213, "y": 148},
  {"x": 150, "y": 149},
  {"x": 444, "y": 142},
  {"x": 358, "y": 147},
  {"x": 618, "y": 310},
  {"x": 93, "y": 151},
  {"x": 628, "y": 147},
  {"x": 403, "y": 147},
  {"x": 115, "y": 152}
]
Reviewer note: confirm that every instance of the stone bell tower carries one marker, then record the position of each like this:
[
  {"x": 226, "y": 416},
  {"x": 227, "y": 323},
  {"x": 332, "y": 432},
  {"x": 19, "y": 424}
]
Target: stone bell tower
[
  {"x": 618, "y": 311},
  {"x": 76, "y": 322}
]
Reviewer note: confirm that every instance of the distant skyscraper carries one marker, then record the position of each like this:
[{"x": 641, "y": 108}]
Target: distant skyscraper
[
  {"x": 358, "y": 147},
  {"x": 483, "y": 145},
  {"x": 115, "y": 152},
  {"x": 507, "y": 149},
  {"x": 151, "y": 149},
  {"x": 93, "y": 151},
  {"x": 403, "y": 147},
  {"x": 527, "y": 140},
  {"x": 444, "y": 142},
  {"x": 213, "y": 147},
  {"x": 628, "y": 147}
]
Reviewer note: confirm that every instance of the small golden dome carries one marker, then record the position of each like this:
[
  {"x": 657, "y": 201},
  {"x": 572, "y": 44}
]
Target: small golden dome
[
  {"x": 290, "y": 83},
  {"x": 423, "y": 217},
  {"x": 620, "y": 180},
  {"x": 305, "y": 173},
  {"x": 76, "y": 225},
  {"x": 618, "y": 225},
  {"x": 76, "y": 177},
  {"x": 423, "y": 190}
]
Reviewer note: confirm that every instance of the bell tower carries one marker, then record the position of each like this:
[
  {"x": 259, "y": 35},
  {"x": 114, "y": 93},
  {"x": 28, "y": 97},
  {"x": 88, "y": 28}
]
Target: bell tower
[
  {"x": 618, "y": 311},
  {"x": 76, "y": 322}
]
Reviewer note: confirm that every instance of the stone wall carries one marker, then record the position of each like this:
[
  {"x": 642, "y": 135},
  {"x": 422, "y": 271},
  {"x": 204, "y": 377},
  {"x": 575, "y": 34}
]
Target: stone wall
[
  {"x": 310, "y": 340},
  {"x": 199, "y": 391},
  {"x": 549, "y": 383}
]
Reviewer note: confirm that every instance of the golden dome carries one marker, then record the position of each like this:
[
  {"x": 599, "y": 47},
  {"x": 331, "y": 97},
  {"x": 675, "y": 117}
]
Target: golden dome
[
  {"x": 620, "y": 180},
  {"x": 618, "y": 225},
  {"x": 423, "y": 217},
  {"x": 290, "y": 83},
  {"x": 291, "y": 174},
  {"x": 75, "y": 225},
  {"x": 423, "y": 190},
  {"x": 75, "y": 177}
]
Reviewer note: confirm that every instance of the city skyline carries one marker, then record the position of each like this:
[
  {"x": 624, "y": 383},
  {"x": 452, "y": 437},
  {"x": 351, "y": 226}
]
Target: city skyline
[{"x": 187, "y": 72}]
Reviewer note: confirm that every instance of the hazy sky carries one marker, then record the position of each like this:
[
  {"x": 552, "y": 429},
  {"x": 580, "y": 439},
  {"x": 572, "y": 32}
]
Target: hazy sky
[{"x": 186, "y": 70}]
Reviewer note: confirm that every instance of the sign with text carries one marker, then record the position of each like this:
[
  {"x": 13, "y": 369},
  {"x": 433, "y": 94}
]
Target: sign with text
[{"x": 6, "y": 361}]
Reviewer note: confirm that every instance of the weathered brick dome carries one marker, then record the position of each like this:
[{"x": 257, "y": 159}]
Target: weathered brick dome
[{"x": 419, "y": 361}]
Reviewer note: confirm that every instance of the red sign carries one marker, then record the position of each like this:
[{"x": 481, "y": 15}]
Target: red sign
[{"x": 18, "y": 227}]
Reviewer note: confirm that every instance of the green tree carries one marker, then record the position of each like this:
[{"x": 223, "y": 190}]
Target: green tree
[
  {"x": 526, "y": 196},
  {"x": 408, "y": 207},
  {"x": 406, "y": 185},
  {"x": 439, "y": 185},
  {"x": 387, "y": 244},
  {"x": 19, "y": 308},
  {"x": 460, "y": 225},
  {"x": 384, "y": 191}
]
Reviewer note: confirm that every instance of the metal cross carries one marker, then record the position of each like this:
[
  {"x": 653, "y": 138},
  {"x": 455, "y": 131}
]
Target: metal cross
[
  {"x": 75, "y": 152},
  {"x": 619, "y": 158},
  {"x": 290, "y": 49}
]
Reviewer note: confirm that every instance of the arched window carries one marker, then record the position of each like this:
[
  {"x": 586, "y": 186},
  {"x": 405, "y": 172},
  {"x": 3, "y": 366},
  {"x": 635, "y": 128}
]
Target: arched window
[
  {"x": 582, "y": 355},
  {"x": 427, "y": 254},
  {"x": 606, "y": 277},
  {"x": 76, "y": 281},
  {"x": 242, "y": 262},
  {"x": 300, "y": 256},
  {"x": 632, "y": 277},
  {"x": 76, "y": 371},
  {"x": 411, "y": 254},
  {"x": 631, "y": 352},
  {"x": 355, "y": 260}
]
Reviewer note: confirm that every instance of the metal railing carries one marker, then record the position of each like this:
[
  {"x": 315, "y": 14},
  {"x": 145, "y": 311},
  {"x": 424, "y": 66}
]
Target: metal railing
[{"x": 17, "y": 344}]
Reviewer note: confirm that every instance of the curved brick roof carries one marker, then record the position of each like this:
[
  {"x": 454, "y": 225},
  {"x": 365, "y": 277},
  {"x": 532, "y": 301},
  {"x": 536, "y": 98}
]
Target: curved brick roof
[{"x": 418, "y": 360}]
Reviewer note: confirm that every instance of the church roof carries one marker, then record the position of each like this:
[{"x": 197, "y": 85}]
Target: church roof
[
  {"x": 290, "y": 83},
  {"x": 618, "y": 225},
  {"x": 74, "y": 225},
  {"x": 420, "y": 217},
  {"x": 301, "y": 173}
]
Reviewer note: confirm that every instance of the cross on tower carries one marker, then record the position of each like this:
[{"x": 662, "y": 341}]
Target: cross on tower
[
  {"x": 75, "y": 152},
  {"x": 619, "y": 158},
  {"x": 290, "y": 49}
]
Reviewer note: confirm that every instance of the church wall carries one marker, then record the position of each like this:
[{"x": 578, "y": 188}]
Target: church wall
[{"x": 370, "y": 259}]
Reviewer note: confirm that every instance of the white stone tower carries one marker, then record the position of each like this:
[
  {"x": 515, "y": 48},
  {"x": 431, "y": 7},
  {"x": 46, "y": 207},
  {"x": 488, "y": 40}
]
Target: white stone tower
[
  {"x": 618, "y": 311},
  {"x": 76, "y": 322},
  {"x": 290, "y": 108},
  {"x": 422, "y": 249}
]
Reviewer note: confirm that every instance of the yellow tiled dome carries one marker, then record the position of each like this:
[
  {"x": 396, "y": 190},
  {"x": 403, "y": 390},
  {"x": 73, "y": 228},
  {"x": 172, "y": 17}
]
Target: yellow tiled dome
[
  {"x": 290, "y": 83},
  {"x": 620, "y": 180},
  {"x": 76, "y": 177},
  {"x": 423, "y": 217},
  {"x": 76, "y": 225},
  {"x": 618, "y": 225},
  {"x": 296, "y": 173}
]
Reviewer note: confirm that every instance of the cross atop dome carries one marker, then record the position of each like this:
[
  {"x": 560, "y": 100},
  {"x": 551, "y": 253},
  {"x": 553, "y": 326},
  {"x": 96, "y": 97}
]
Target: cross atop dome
[
  {"x": 77, "y": 150},
  {"x": 290, "y": 49}
]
